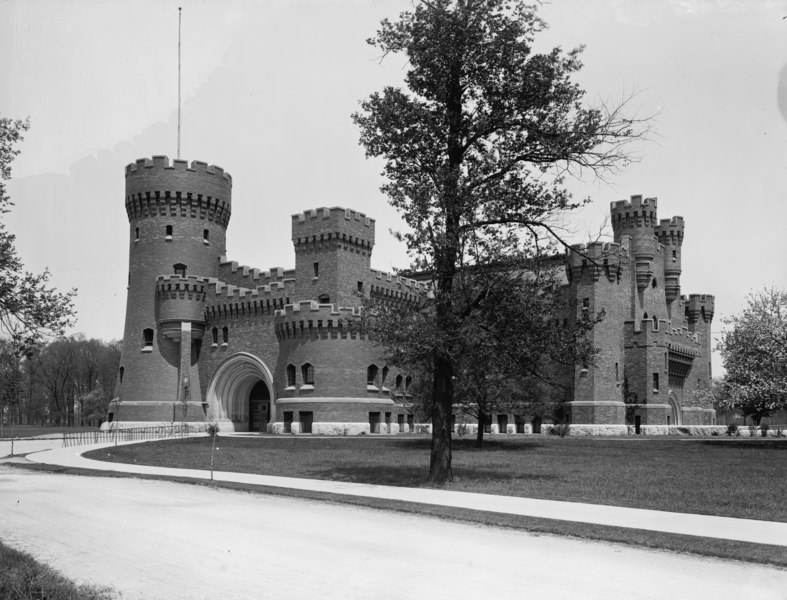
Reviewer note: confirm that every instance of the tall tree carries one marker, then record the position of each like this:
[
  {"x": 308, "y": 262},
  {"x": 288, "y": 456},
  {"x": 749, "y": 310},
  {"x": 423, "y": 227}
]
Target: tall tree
[
  {"x": 476, "y": 150},
  {"x": 30, "y": 310},
  {"x": 754, "y": 351}
]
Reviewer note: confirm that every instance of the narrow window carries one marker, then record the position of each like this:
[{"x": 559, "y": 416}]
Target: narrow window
[
  {"x": 147, "y": 336},
  {"x": 398, "y": 383},
  {"x": 385, "y": 375},
  {"x": 215, "y": 333},
  {"x": 180, "y": 269},
  {"x": 206, "y": 236},
  {"x": 136, "y": 234},
  {"x": 674, "y": 254},
  {"x": 565, "y": 323},
  {"x": 585, "y": 304},
  {"x": 407, "y": 382},
  {"x": 371, "y": 375},
  {"x": 290, "y": 375},
  {"x": 121, "y": 372},
  {"x": 617, "y": 375},
  {"x": 307, "y": 373},
  {"x": 655, "y": 322},
  {"x": 316, "y": 269},
  {"x": 225, "y": 334},
  {"x": 169, "y": 232},
  {"x": 655, "y": 382},
  {"x": 655, "y": 283},
  {"x": 360, "y": 286}
]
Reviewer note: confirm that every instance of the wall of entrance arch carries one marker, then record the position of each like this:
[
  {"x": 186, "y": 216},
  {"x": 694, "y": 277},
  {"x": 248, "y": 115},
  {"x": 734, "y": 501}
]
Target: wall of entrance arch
[{"x": 240, "y": 394}]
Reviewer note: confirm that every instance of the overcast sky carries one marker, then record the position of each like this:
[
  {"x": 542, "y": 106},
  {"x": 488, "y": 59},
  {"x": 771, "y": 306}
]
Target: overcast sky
[{"x": 268, "y": 89}]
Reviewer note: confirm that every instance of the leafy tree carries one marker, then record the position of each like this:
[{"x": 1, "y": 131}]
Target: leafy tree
[
  {"x": 475, "y": 153},
  {"x": 30, "y": 310},
  {"x": 754, "y": 351}
]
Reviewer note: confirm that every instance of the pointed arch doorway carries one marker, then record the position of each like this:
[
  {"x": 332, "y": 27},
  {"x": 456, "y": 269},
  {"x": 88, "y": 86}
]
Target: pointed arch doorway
[{"x": 241, "y": 393}]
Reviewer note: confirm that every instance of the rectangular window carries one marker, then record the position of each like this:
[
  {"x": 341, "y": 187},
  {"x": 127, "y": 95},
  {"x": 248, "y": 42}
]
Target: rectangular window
[
  {"x": 585, "y": 304},
  {"x": 206, "y": 236},
  {"x": 316, "y": 269},
  {"x": 655, "y": 382},
  {"x": 360, "y": 286},
  {"x": 617, "y": 375},
  {"x": 169, "y": 231}
]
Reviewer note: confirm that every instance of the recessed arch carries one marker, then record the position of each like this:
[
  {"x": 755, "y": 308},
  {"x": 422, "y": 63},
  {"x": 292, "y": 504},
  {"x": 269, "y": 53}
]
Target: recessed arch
[
  {"x": 676, "y": 413},
  {"x": 231, "y": 386}
]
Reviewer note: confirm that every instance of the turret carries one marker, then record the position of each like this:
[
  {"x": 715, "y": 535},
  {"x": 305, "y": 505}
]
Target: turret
[
  {"x": 333, "y": 249},
  {"x": 699, "y": 310},
  {"x": 178, "y": 215},
  {"x": 670, "y": 235},
  {"x": 637, "y": 218}
]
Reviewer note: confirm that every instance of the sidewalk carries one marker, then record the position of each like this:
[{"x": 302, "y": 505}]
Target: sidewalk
[{"x": 744, "y": 530}]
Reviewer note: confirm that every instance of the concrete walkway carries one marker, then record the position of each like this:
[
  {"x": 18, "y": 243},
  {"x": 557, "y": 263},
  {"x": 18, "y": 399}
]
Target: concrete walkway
[{"x": 744, "y": 530}]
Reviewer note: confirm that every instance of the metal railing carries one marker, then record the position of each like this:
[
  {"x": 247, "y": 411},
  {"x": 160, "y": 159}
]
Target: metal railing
[{"x": 80, "y": 438}]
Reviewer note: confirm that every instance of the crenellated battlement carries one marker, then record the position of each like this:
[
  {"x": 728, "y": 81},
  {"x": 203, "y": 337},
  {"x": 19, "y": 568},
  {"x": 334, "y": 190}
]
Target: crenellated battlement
[
  {"x": 172, "y": 286},
  {"x": 332, "y": 226},
  {"x": 180, "y": 299},
  {"x": 310, "y": 319},
  {"x": 635, "y": 203},
  {"x": 162, "y": 162},
  {"x": 597, "y": 258},
  {"x": 231, "y": 271},
  {"x": 699, "y": 307},
  {"x": 670, "y": 231},
  {"x": 156, "y": 187}
]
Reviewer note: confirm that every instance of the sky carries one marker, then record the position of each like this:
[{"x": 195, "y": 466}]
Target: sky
[{"x": 267, "y": 93}]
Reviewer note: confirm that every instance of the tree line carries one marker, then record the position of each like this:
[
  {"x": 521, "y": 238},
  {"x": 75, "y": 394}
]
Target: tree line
[{"x": 69, "y": 382}]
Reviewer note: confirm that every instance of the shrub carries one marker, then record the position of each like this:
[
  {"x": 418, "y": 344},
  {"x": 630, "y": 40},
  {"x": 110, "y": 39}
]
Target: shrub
[
  {"x": 560, "y": 429},
  {"x": 780, "y": 431},
  {"x": 212, "y": 429},
  {"x": 715, "y": 432},
  {"x": 732, "y": 429},
  {"x": 764, "y": 430},
  {"x": 462, "y": 429}
]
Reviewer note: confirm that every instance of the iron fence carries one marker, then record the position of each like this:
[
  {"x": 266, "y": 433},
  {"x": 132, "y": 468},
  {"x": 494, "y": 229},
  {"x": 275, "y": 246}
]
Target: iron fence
[{"x": 80, "y": 438}]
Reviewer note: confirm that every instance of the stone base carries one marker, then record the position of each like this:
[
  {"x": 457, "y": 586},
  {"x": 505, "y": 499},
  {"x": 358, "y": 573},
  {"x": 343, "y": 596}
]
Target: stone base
[
  {"x": 192, "y": 425},
  {"x": 597, "y": 413},
  {"x": 586, "y": 430}
]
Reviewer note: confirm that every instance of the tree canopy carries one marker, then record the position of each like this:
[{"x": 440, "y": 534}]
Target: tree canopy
[
  {"x": 30, "y": 309},
  {"x": 754, "y": 351},
  {"x": 475, "y": 152}
]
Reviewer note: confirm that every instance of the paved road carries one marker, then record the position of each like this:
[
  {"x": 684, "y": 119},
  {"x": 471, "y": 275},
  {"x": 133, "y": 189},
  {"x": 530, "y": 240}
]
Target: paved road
[{"x": 154, "y": 539}]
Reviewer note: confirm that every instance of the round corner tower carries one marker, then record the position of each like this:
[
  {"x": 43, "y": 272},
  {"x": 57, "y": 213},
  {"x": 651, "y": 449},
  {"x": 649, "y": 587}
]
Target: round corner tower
[
  {"x": 637, "y": 219},
  {"x": 178, "y": 215}
]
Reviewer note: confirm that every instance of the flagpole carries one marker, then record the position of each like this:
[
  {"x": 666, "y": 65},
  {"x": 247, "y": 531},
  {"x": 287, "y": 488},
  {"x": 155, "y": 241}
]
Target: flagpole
[{"x": 179, "y": 15}]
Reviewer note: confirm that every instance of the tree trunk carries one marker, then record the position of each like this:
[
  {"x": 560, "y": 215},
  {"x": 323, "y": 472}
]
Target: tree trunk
[
  {"x": 440, "y": 460},
  {"x": 479, "y": 436}
]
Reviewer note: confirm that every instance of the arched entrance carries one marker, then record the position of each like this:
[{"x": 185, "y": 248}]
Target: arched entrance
[
  {"x": 241, "y": 391},
  {"x": 675, "y": 412}
]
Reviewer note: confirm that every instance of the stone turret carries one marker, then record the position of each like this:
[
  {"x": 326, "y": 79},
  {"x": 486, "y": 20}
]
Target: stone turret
[
  {"x": 637, "y": 219},
  {"x": 670, "y": 235}
]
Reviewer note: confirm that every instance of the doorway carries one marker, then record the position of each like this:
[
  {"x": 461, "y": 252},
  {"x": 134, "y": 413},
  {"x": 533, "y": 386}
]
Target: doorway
[{"x": 259, "y": 407}]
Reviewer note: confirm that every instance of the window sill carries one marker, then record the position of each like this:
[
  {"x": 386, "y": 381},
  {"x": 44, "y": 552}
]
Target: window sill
[
  {"x": 168, "y": 238},
  {"x": 307, "y": 387},
  {"x": 147, "y": 349},
  {"x": 205, "y": 243},
  {"x": 289, "y": 388},
  {"x": 224, "y": 345},
  {"x": 214, "y": 345},
  {"x": 372, "y": 388}
]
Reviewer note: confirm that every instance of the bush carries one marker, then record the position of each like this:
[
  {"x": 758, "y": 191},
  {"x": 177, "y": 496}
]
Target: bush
[
  {"x": 561, "y": 429},
  {"x": 732, "y": 429},
  {"x": 715, "y": 432},
  {"x": 212, "y": 429},
  {"x": 764, "y": 430}
]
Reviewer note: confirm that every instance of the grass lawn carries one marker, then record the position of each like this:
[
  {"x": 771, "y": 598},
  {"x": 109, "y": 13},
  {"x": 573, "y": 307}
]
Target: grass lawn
[
  {"x": 23, "y": 578},
  {"x": 743, "y": 478},
  {"x": 28, "y": 431}
]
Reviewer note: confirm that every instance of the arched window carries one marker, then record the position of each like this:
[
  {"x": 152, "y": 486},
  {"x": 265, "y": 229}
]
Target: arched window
[
  {"x": 398, "y": 384},
  {"x": 225, "y": 334},
  {"x": 307, "y": 373},
  {"x": 121, "y": 371},
  {"x": 655, "y": 322},
  {"x": 180, "y": 269},
  {"x": 385, "y": 375},
  {"x": 290, "y": 375},
  {"x": 371, "y": 375},
  {"x": 168, "y": 232},
  {"x": 215, "y": 332},
  {"x": 136, "y": 234},
  {"x": 147, "y": 336},
  {"x": 324, "y": 299},
  {"x": 655, "y": 283},
  {"x": 407, "y": 383}
]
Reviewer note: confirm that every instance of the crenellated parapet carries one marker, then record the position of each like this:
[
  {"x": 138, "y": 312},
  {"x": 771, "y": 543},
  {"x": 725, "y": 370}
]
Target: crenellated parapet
[
  {"x": 670, "y": 231},
  {"x": 332, "y": 228},
  {"x": 156, "y": 187},
  {"x": 637, "y": 218},
  {"x": 308, "y": 319},
  {"x": 699, "y": 308},
  {"x": 227, "y": 301},
  {"x": 244, "y": 276},
  {"x": 397, "y": 288},
  {"x": 596, "y": 260},
  {"x": 181, "y": 299}
]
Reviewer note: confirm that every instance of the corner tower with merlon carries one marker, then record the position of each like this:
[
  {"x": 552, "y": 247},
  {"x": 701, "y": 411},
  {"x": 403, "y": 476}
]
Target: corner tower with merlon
[{"x": 178, "y": 215}]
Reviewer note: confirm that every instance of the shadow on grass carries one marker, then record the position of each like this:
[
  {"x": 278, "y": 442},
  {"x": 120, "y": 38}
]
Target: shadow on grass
[{"x": 752, "y": 444}]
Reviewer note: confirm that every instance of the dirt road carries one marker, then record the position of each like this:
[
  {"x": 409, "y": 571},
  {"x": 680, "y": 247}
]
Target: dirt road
[{"x": 153, "y": 539}]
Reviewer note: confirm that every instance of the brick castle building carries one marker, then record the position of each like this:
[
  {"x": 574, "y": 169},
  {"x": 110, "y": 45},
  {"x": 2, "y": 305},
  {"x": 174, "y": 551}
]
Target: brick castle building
[{"x": 207, "y": 340}]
